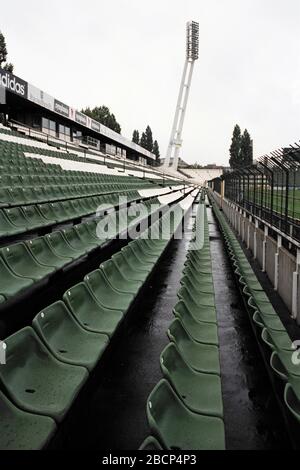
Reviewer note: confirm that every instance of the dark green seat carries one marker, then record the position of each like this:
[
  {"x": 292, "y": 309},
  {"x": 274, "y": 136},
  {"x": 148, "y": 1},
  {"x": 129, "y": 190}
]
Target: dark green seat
[
  {"x": 271, "y": 322},
  {"x": 198, "y": 297},
  {"x": 133, "y": 262},
  {"x": 6, "y": 227},
  {"x": 35, "y": 219},
  {"x": 201, "y": 332},
  {"x": 89, "y": 313},
  {"x": 23, "y": 431},
  {"x": 292, "y": 396},
  {"x": 177, "y": 427},
  {"x": 277, "y": 340},
  {"x": 61, "y": 247},
  {"x": 201, "y": 393},
  {"x": 127, "y": 270},
  {"x": 135, "y": 254},
  {"x": 201, "y": 357},
  {"x": 283, "y": 364},
  {"x": 73, "y": 239},
  {"x": 118, "y": 282},
  {"x": 105, "y": 294},
  {"x": 23, "y": 264},
  {"x": 42, "y": 252},
  {"x": 16, "y": 217},
  {"x": 84, "y": 235},
  {"x": 199, "y": 313},
  {"x": 66, "y": 339},
  {"x": 150, "y": 444},
  {"x": 195, "y": 286},
  {"x": 48, "y": 213},
  {"x": 35, "y": 380}
]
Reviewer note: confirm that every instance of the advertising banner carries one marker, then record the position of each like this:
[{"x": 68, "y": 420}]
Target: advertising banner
[
  {"x": 61, "y": 108},
  {"x": 14, "y": 84},
  {"x": 39, "y": 97}
]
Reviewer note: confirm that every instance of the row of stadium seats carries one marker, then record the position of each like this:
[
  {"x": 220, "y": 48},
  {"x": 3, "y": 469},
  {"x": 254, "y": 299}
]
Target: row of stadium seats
[
  {"x": 12, "y": 155},
  {"x": 25, "y": 263},
  {"x": 271, "y": 329},
  {"x": 22, "y": 219},
  {"x": 49, "y": 361},
  {"x": 185, "y": 409}
]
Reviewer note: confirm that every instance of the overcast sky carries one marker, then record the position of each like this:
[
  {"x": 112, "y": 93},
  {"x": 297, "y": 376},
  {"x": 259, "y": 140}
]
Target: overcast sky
[{"x": 129, "y": 55}]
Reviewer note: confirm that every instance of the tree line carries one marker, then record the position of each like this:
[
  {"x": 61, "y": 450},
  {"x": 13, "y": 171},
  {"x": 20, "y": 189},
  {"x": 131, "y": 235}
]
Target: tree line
[
  {"x": 146, "y": 141},
  {"x": 241, "y": 149}
]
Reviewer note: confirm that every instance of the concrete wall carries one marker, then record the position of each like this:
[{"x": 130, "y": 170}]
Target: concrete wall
[{"x": 287, "y": 277}]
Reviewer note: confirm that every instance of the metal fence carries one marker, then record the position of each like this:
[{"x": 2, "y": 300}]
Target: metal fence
[{"x": 268, "y": 189}]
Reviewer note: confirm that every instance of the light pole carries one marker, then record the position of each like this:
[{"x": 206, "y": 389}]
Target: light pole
[{"x": 192, "y": 54}]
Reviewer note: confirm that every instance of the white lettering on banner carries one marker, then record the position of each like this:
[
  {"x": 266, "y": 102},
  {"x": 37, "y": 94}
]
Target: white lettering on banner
[{"x": 12, "y": 83}]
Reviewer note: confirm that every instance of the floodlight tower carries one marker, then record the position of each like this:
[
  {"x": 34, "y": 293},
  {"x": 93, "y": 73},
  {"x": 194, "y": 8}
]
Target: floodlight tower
[{"x": 192, "y": 54}]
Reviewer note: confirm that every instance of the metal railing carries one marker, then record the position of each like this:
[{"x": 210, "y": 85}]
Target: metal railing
[{"x": 268, "y": 189}]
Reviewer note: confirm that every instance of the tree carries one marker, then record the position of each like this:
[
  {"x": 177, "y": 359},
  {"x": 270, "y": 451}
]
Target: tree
[
  {"x": 246, "y": 154},
  {"x": 149, "y": 139},
  {"x": 143, "y": 141},
  {"x": 103, "y": 115},
  {"x": 136, "y": 137},
  {"x": 235, "y": 148},
  {"x": 3, "y": 55},
  {"x": 155, "y": 150}
]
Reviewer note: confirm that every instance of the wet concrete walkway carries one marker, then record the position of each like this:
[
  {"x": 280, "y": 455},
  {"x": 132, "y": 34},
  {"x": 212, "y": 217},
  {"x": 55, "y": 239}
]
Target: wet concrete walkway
[{"x": 252, "y": 417}]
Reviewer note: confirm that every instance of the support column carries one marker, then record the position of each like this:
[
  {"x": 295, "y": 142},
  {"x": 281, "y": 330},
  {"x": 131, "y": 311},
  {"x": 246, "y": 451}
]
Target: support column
[
  {"x": 279, "y": 245},
  {"x": 295, "y": 303}
]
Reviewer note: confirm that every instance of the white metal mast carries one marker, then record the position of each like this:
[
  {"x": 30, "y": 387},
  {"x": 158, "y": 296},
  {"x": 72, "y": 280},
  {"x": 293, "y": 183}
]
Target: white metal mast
[{"x": 192, "y": 54}]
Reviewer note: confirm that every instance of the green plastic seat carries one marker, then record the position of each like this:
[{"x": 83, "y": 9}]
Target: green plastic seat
[
  {"x": 133, "y": 262},
  {"x": 35, "y": 219},
  {"x": 201, "y": 393},
  {"x": 138, "y": 255},
  {"x": 205, "y": 287},
  {"x": 150, "y": 443},
  {"x": 105, "y": 294},
  {"x": 89, "y": 313},
  {"x": 61, "y": 247},
  {"x": 201, "y": 332},
  {"x": 65, "y": 338},
  {"x": 6, "y": 227},
  {"x": 48, "y": 213},
  {"x": 127, "y": 270},
  {"x": 35, "y": 380},
  {"x": 72, "y": 238},
  {"x": 271, "y": 322},
  {"x": 265, "y": 309},
  {"x": 117, "y": 281},
  {"x": 23, "y": 431},
  {"x": 42, "y": 252},
  {"x": 283, "y": 364},
  {"x": 177, "y": 427},
  {"x": 292, "y": 396},
  {"x": 85, "y": 236},
  {"x": 141, "y": 255},
  {"x": 277, "y": 340},
  {"x": 198, "y": 297},
  {"x": 201, "y": 357},
  {"x": 17, "y": 218},
  {"x": 23, "y": 264}
]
